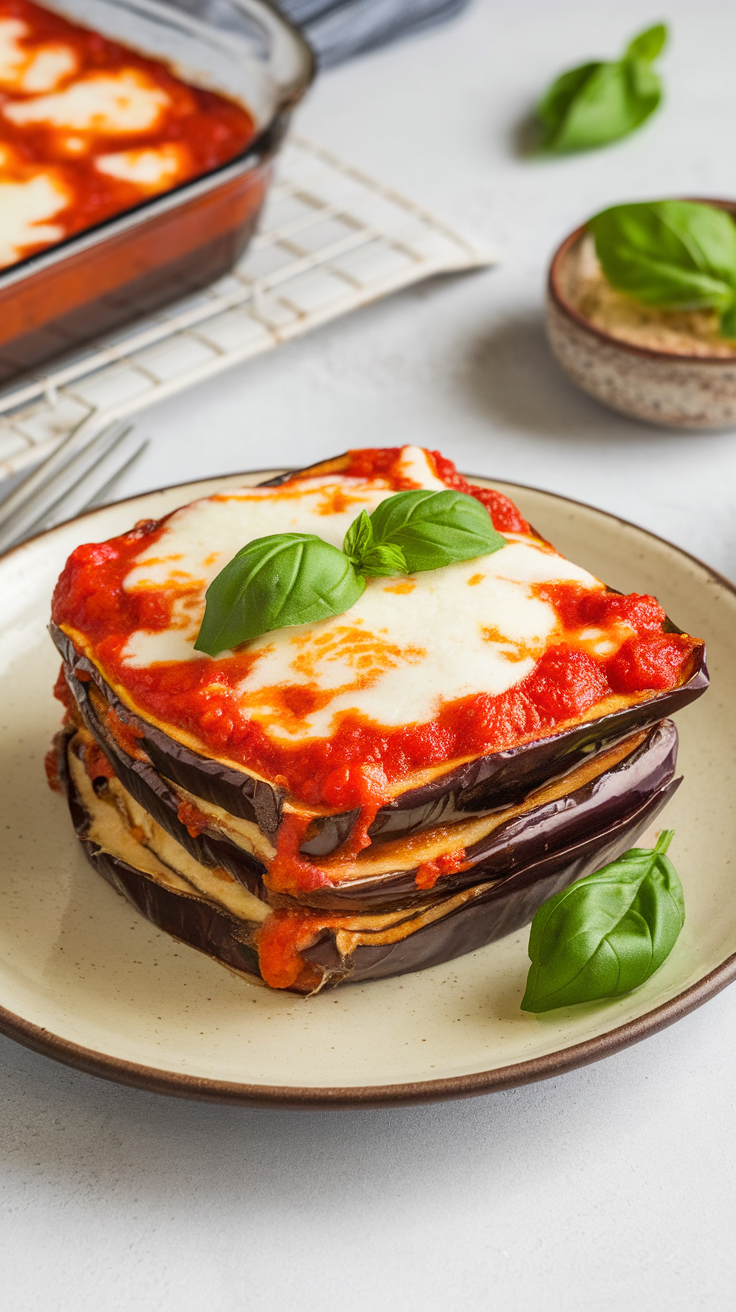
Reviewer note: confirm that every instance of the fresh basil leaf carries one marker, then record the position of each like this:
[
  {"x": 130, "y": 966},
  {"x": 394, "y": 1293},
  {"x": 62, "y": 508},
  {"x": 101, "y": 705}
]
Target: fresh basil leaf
[
  {"x": 384, "y": 560},
  {"x": 728, "y": 321},
  {"x": 358, "y": 539},
  {"x": 368, "y": 556},
  {"x": 677, "y": 254},
  {"x": 557, "y": 102},
  {"x": 434, "y": 529},
  {"x": 647, "y": 45},
  {"x": 601, "y": 102},
  {"x": 606, "y": 934},
  {"x": 296, "y": 578},
  {"x": 273, "y": 583}
]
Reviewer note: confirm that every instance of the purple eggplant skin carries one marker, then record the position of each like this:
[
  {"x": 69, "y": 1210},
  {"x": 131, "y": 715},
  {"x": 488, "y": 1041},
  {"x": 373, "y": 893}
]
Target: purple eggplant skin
[
  {"x": 495, "y": 912},
  {"x": 477, "y": 788},
  {"x": 156, "y": 796},
  {"x": 520, "y": 843},
  {"x": 550, "y": 827},
  {"x": 187, "y": 918},
  {"x": 234, "y": 790},
  {"x": 502, "y": 909},
  {"x": 501, "y": 778}
]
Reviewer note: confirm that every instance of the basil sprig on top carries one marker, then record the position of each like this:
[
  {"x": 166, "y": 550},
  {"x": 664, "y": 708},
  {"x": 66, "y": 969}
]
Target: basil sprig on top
[
  {"x": 297, "y": 578},
  {"x": 608, "y": 933},
  {"x": 675, "y": 254},
  {"x": 601, "y": 102}
]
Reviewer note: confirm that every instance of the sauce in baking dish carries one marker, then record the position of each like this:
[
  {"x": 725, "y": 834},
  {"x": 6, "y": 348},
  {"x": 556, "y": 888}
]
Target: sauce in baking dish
[{"x": 90, "y": 128}]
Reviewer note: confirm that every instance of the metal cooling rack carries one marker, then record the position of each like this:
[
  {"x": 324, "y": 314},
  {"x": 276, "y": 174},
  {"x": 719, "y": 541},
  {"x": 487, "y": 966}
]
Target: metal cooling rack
[{"x": 331, "y": 240}]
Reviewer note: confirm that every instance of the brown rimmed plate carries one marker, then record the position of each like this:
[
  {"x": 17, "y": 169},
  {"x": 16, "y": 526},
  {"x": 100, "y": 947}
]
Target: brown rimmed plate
[{"x": 85, "y": 980}]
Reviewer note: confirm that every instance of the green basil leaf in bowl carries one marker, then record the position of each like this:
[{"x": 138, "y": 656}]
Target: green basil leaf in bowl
[
  {"x": 601, "y": 102},
  {"x": 273, "y": 583},
  {"x": 606, "y": 934},
  {"x": 675, "y": 254}
]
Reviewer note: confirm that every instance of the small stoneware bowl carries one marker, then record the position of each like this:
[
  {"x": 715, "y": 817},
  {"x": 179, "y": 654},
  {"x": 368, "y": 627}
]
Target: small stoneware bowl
[{"x": 660, "y": 386}]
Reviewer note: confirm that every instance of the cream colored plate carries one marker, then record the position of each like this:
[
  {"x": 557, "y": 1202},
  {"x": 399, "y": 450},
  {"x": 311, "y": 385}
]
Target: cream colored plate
[{"x": 85, "y": 979}]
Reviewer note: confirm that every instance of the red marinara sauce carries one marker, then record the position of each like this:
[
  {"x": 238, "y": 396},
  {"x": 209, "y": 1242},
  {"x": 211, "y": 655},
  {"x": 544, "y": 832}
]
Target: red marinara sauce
[
  {"x": 280, "y": 943},
  {"x": 384, "y": 462},
  {"x": 355, "y": 766},
  {"x": 94, "y": 165}
]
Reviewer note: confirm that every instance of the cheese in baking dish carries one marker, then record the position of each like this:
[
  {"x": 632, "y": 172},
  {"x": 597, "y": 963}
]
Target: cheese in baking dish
[{"x": 90, "y": 128}]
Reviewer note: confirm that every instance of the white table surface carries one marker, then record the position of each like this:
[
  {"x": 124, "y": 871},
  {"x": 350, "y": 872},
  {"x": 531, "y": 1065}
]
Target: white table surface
[{"x": 611, "y": 1187}]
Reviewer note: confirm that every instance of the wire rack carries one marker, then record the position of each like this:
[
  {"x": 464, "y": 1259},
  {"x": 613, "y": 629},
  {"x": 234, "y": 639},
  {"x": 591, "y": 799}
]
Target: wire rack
[{"x": 331, "y": 239}]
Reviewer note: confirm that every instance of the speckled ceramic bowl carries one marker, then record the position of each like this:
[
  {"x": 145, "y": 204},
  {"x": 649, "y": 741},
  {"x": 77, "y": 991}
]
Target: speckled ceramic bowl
[{"x": 658, "y": 386}]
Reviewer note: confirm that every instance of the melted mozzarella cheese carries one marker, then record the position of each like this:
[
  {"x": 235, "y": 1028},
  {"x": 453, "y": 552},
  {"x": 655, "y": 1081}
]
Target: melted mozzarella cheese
[
  {"x": 151, "y": 169},
  {"x": 415, "y": 465},
  {"x": 24, "y": 208},
  {"x": 122, "y": 102},
  {"x": 403, "y": 649},
  {"x": 31, "y": 69}
]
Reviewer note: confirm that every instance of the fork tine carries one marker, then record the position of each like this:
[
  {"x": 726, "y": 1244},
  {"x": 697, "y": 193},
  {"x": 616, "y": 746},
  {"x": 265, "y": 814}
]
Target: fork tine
[
  {"x": 52, "y": 467},
  {"x": 47, "y": 498},
  {"x": 89, "y": 489},
  {"x": 49, "y": 489},
  {"x": 98, "y": 497},
  {"x": 85, "y": 493},
  {"x": 104, "y": 468}
]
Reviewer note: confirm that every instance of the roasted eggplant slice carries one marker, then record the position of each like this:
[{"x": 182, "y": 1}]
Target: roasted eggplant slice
[
  {"x": 340, "y": 948},
  {"x": 607, "y": 786},
  {"x": 378, "y": 791},
  {"x": 477, "y": 788}
]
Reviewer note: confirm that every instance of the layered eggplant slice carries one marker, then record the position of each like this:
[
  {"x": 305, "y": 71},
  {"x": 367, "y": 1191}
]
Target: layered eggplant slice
[
  {"x": 378, "y": 792},
  {"x": 391, "y": 927}
]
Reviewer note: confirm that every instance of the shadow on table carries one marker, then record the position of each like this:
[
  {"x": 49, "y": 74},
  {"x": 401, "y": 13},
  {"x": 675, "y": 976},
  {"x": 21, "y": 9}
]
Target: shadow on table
[
  {"x": 513, "y": 377},
  {"x": 525, "y": 137}
]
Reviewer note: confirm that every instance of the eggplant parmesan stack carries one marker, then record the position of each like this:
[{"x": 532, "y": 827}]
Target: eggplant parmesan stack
[{"x": 373, "y": 793}]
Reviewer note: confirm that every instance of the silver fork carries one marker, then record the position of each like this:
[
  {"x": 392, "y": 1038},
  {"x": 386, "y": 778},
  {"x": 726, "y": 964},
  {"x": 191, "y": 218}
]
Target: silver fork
[{"x": 77, "y": 475}]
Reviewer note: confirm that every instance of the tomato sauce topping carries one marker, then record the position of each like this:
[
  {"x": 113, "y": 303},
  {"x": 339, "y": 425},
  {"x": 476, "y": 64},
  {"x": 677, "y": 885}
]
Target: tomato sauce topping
[
  {"x": 448, "y": 864},
  {"x": 356, "y": 765},
  {"x": 51, "y": 766},
  {"x": 90, "y": 128},
  {"x": 193, "y": 820},
  {"x": 385, "y": 462},
  {"x": 280, "y": 943},
  {"x": 96, "y": 763}
]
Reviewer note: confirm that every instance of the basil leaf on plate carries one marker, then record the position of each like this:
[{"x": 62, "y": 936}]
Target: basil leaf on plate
[
  {"x": 368, "y": 556},
  {"x": 273, "y": 583},
  {"x": 434, "y": 529},
  {"x": 296, "y": 578},
  {"x": 676, "y": 254},
  {"x": 601, "y": 102},
  {"x": 606, "y": 934}
]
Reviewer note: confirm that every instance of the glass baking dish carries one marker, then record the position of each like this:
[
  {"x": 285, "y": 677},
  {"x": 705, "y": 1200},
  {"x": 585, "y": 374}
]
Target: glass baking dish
[{"x": 182, "y": 239}]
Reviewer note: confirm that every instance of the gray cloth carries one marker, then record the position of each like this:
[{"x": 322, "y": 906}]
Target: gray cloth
[{"x": 339, "y": 29}]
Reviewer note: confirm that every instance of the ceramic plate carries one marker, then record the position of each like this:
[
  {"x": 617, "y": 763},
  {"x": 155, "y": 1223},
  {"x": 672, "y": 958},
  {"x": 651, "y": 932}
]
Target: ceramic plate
[{"x": 85, "y": 979}]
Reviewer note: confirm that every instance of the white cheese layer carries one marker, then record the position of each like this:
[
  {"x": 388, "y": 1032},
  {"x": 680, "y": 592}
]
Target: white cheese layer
[
  {"x": 25, "y": 207},
  {"x": 151, "y": 169},
  {"x": 31, "y": 69},
  {"x": 407, "y": 646},
  {"x": 122, "y": 102}
]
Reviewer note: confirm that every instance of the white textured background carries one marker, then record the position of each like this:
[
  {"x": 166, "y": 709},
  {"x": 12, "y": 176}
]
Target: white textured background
[{"x": 609, "y": 1188}]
